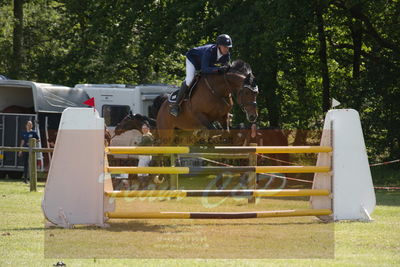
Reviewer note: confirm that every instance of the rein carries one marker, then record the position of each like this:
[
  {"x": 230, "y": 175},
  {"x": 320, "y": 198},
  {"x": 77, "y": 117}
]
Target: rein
[
  {"x": 215, "y": 93},
  {"x": 231, "y": 92}
]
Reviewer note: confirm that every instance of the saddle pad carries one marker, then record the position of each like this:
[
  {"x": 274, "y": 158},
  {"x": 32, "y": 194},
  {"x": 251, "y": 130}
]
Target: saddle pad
[{"x": 172, "y": 97}]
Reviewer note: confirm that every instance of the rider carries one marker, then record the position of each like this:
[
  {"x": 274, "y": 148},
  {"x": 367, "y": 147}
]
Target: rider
[{"x": 204, "y": 58}]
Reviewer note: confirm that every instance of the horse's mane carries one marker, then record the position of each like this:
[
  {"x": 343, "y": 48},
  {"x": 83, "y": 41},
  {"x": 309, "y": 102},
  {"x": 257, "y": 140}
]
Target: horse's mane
[
  {"x": 241, "y": 67},
  {"x": 140, "y": 117}
]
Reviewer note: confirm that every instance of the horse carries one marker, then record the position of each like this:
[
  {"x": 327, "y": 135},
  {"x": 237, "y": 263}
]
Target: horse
[
  {"x": 210, "y": 102},
  {"x": 134, "y": 121}
]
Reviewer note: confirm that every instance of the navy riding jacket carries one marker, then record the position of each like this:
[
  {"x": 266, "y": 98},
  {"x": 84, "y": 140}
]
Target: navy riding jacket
[
  {"x": 28, "y": 135},
  {"x": 204, "y": 58}
]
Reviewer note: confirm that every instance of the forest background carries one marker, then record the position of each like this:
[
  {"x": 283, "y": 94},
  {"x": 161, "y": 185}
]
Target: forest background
[{"x": 303, "y": 52}]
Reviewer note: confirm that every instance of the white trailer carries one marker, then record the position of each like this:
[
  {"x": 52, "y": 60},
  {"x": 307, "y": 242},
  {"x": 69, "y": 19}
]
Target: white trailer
[
  {"x": 43, "y": 103},
  {"x": 114, "y": 101}
]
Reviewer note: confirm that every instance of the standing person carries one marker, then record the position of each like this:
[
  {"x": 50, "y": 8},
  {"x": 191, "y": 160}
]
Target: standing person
[
  {"x": 205, "y": 59},
  {"x": 144, "y": 160},
  {"x": 26, "y": 135}
]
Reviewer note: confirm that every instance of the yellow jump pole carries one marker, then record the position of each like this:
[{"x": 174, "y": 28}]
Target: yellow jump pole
[
  {"x": 147, "y": 150},
  {"x": 220, "y": 193},
  {"x": 292, "y": 169},
  {"x": 217, "y": 149},
  {"x": 214, "y": 170}
]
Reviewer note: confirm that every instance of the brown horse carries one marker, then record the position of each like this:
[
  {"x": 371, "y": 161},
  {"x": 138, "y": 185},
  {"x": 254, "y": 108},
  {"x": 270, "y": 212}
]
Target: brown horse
[
  {"x": 211, "y": 101},
  {"x": 134, "y": 121}
]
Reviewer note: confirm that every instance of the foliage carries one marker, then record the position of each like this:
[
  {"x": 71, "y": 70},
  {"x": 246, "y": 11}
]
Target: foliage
[{"x": 69, "y": 42}]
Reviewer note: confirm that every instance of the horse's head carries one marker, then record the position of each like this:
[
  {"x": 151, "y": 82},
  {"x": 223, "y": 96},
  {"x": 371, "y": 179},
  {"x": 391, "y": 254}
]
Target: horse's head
[
  {"x": 247, "y": 98},
  {"x": 131, "y": 121},
  {"x": 247, "y": 93}
]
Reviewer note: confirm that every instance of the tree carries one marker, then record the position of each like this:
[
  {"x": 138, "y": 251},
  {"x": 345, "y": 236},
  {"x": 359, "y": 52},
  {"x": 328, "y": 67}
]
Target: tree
[
  {"x": 16, "y": 63},
  {"x": 319, "y": 10},
  {"x": 301, "y": 52}
]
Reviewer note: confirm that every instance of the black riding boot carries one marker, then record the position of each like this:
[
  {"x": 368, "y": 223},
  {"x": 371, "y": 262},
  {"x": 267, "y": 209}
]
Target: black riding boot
[{"x": 174, "y": 109}]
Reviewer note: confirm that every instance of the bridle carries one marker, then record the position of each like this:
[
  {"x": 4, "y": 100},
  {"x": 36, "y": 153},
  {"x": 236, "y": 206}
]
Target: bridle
[
  {"x": 253, "y": 89},
  {"x": 239, "y": 94},
  {"x": 215, "y": 93}
]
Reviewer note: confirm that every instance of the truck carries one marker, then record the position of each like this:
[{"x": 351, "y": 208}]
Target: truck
[{"x": 43, "y": 103}]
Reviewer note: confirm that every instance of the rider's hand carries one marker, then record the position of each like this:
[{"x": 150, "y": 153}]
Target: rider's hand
[{"x": 223, "y": 69}]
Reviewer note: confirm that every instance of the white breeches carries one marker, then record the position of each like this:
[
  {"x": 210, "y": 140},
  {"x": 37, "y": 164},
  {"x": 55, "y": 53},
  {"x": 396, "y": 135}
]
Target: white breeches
[
  {"x": 144, "y": 161},
  {"x": 190, "y": 72}
]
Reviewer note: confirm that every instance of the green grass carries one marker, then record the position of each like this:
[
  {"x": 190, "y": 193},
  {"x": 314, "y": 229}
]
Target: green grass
[{"x": 25, "y": 242}]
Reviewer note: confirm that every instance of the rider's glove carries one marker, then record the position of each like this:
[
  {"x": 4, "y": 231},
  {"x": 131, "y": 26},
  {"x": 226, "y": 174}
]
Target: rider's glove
[{"x": 223, "y": 69}]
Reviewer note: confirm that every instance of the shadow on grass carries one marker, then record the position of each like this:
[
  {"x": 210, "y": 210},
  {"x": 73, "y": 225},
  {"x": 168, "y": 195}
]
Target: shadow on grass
[
  {"x": 10, "y": 180},
  {"x": 387, "y": 198},
  {"x": 134, "y": 226},
  {"x": 168, "y": 226},
  {"x": 126, "y": 226},
  {"x": 25, "y": 229}
]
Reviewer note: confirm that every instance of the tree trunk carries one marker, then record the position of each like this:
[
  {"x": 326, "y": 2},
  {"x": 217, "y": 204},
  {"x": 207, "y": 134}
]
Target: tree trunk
[
  {"x": 301, "y": 137},
  {"x": 323, "y": 59},
  {"x": 356, "y": 35},
  {"x": 16, "y": 64},
  {"x": 272, "y": 99}
]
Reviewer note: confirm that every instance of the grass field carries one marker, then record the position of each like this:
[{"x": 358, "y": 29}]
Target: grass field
[{"x": 24, "y": 241}]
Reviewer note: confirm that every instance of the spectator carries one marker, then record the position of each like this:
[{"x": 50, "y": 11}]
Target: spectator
[
  {"x": 144, "y": 160},
  {"x": 26, "y": 135}
]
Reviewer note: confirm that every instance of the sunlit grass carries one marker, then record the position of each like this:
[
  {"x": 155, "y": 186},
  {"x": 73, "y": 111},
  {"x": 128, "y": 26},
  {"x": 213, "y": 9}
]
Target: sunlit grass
[{"x": 24, "y": 241}]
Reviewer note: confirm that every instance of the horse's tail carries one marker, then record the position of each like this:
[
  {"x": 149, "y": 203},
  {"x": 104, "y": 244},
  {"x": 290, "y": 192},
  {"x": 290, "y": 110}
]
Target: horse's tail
[{"x": 157, "y": 105}]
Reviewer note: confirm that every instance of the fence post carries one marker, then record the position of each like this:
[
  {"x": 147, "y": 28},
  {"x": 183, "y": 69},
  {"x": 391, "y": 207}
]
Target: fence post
[
  {"x": 32, "y": 165},
  {"x": 251, "y": 182},
  {"x": 174, "y": 185}
]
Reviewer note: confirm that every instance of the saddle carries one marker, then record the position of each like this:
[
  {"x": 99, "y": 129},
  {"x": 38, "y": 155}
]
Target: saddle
[{"x": 172, "y": 97}]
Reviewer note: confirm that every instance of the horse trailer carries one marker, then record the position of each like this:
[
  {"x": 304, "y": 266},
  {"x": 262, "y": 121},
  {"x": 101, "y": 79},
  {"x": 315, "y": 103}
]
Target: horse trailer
[{"x": 43, "y": 104}]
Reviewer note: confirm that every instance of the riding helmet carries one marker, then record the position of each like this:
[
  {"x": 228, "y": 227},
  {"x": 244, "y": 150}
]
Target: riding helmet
[{"x": 224, "y": 40}]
